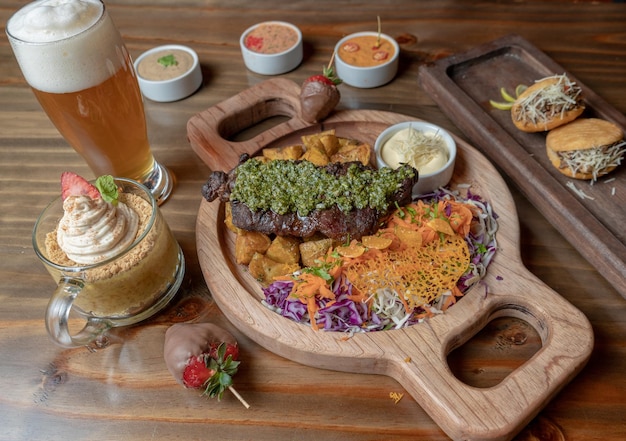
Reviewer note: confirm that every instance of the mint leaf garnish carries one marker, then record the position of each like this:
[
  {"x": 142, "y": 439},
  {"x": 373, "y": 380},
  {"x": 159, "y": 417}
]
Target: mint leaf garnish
[{"x": 107, "y": 188}]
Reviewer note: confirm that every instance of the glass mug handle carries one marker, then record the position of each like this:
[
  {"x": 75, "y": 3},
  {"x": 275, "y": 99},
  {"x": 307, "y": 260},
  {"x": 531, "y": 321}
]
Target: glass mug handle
[{"x": 58, "y": 312}]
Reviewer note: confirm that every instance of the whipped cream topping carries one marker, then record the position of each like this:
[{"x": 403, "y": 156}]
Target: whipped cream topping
[{"x": 91, "y": 230}]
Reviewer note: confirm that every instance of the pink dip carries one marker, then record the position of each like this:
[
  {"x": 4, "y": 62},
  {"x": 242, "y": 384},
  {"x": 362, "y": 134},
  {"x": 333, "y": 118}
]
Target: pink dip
[{"x": 271, "y": 38}]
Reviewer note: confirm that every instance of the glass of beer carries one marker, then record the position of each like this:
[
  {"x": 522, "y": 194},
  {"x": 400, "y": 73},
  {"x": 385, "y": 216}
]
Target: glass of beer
[{"x": 74, "y": 59}]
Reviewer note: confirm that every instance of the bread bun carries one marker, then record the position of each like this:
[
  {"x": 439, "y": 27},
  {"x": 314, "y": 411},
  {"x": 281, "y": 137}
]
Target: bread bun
[
  {"x": 549, "y": 103},
  {"x": 602, "y": 139}
]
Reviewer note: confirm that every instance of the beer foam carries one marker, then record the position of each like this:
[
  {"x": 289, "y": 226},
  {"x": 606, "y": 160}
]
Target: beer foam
[
  {"x": 65, "y": 46},
  {"x": 52, "y": 20}
]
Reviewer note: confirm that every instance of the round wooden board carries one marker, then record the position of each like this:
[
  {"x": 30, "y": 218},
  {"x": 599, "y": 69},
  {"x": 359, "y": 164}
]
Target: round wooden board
[{"x": 415, "y": 356}]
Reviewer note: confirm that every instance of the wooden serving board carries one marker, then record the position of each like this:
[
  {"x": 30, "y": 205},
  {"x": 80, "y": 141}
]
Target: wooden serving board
[
  {"x": 416, "y": 356},
  {"x": 462, "y": 86}
]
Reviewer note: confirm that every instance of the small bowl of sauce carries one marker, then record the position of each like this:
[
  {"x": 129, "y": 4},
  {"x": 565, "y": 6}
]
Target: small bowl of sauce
[
  {"x": 168, "y": 73},
  {"x": 367, "y": 59},
  {"x": 425, "y": 146},
  {"x": 271, "y": 47}
]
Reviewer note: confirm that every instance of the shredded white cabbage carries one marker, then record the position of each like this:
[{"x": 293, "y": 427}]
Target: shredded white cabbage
[{"x": 387, "y": 305}]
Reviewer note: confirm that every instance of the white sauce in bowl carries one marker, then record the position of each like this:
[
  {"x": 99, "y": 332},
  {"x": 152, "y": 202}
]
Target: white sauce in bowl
[{"x": 426, "y": 152}]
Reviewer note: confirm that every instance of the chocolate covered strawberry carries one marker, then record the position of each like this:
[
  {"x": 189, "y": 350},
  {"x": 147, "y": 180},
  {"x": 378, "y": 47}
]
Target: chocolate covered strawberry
[
  {"x": 202, "y": 356},
  {"x": 319, "y": 95},
  {"x": 213, "y": 372}
]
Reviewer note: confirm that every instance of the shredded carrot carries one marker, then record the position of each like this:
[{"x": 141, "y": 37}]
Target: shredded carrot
[
  {"x": 357, "y": 295},
  {"x": 460, "y": 218},
  {"x": 306, "y": 288},
  {"x": 428, "y": 312},
  {"x": 430, "y": 219},
  {"x": 451, "y": 300}
]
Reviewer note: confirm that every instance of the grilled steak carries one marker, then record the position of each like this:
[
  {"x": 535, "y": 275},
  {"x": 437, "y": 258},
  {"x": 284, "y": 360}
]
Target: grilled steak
[
  {"x": 331, "y": 222},
  {"x": 328, "y": 214}
]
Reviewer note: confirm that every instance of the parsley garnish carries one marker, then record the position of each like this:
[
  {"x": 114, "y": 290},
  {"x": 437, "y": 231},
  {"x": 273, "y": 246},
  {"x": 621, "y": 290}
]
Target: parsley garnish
[
  {"x": 324, "y": 268},
  {"x": 168, "y": 60},
  {"x": 412, "y": 212},
  {"x": 400, "y": 213}
]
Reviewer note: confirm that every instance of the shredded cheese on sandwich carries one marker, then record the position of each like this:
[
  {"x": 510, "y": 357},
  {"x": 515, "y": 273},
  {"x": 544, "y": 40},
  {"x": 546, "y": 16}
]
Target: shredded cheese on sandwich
[
  {"x": 549, "y": 102},
  {"x": 595, "y": 160}
]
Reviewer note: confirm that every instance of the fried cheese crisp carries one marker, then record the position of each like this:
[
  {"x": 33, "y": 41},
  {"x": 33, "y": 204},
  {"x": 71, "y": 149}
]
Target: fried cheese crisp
[{"x": 421, "y": 274}]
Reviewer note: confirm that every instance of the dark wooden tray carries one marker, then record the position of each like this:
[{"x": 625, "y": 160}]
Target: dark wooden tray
[{"x": 462, "y": 86}]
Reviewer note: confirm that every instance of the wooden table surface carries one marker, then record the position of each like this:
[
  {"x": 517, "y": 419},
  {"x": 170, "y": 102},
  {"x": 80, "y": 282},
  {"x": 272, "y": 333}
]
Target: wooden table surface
[{"x": 124, "y": 391}]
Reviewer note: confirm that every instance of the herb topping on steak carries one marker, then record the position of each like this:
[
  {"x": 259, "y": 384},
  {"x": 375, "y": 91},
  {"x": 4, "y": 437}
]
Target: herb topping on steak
[{"x": 340, "y": 200}]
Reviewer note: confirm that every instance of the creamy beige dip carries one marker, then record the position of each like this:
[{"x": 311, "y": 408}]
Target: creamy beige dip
[
  {"x": 165, "y": 65},
  {"x": 366, "y": 51},
  {"x": 271, "y": 38},
  {"x": 426, "y": 152}
]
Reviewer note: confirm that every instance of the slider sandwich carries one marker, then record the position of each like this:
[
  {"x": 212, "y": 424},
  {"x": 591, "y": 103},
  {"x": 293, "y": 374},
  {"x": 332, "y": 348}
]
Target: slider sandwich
[
  {"x": 550, "y": 102},
  {"x": 586, "y": 148}
]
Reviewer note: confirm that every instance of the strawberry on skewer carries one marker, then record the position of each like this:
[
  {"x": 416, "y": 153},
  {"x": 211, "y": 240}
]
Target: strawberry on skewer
[{"x": 202, "y": 356}]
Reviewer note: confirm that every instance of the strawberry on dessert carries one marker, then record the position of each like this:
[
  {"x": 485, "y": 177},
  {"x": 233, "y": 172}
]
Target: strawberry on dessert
[
  {"x": 75, "y": 185},
  {"x": 95, "y": 226},
  {"x": 202, "y": 356},
  {"x": 319, "y": 95}
]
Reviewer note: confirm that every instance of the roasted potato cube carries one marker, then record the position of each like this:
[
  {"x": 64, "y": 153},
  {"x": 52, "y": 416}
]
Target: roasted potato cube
[
  {"x": 279, "y": 269},
  {"x": 330, "y": 143},
  {"x": 228, "y": 219},
  {"x": 257, "y": 267},
  {"x": 288, "y": 152},
  {"x": 284, "y": 249},
  {"x": 343, "y": 142},
  {"x": 354, "y": 152},
  {"x": 249, "y": 242},
  {"x": 265, "y": 270},
  {"x": 313, "y": 140},
  {"x": 316, "y": 155},
  {"x": 313, "y": 250}
]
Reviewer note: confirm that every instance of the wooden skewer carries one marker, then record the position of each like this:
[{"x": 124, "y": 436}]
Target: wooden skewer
[{"x": 239, "y": 397}]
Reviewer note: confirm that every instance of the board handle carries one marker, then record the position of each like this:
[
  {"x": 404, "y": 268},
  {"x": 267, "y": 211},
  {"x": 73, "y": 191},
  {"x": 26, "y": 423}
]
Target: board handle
[
  {"x": 211, "y": 132},
  {"x": 465, "y": 412}
]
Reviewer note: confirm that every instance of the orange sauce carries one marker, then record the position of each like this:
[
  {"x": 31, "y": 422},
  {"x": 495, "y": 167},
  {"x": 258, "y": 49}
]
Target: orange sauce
[{"x": 366, "y": 51}]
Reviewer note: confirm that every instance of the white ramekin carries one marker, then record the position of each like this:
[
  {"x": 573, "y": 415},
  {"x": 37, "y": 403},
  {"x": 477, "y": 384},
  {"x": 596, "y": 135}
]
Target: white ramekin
[
  {"x": 173, "y": 89},
  {"x": 428, "y": 182}
]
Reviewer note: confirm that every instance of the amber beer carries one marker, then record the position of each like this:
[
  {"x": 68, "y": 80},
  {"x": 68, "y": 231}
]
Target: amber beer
[
  {"x": 83, "y": 76},
  {"x": 105, "y": 124}
]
